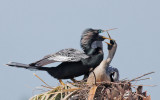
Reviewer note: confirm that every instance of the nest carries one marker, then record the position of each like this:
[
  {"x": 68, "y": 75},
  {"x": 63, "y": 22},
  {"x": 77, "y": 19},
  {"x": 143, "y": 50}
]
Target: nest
[{"x": 121, "y": 90}]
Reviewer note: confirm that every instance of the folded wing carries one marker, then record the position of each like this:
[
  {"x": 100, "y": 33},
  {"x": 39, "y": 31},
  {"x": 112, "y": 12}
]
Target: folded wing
[{"x": 64, "y": 55}]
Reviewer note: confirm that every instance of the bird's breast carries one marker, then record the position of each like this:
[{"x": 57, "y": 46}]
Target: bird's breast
[{"x": 100, "y": 74}]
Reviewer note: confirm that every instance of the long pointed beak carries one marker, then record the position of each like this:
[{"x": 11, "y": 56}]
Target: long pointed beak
[
  {"x": 106, "y": 38},
  {"x": 109, "y": 39},
  {"x": 109, "y": 30},
  {"x": 108, "y": 43}
]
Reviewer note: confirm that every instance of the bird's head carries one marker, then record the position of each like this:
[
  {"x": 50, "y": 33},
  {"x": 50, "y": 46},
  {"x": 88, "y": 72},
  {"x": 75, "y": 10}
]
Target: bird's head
[
  {"x": 91, "y": 39},
  {"x": 113, "y": 73},
  {"x": 112, "y": 43}
]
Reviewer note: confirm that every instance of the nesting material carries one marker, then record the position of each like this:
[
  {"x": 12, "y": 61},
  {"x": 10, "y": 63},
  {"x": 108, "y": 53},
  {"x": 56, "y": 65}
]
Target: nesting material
[{"x": 121, "y": 90}]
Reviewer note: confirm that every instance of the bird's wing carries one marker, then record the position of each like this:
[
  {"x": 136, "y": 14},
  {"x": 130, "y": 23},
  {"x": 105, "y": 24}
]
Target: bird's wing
[{"x": 64, "y": 55}]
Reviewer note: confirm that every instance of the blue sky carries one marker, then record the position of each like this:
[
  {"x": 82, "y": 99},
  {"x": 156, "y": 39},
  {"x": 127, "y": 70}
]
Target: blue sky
[{"x": 31, "y": 29}]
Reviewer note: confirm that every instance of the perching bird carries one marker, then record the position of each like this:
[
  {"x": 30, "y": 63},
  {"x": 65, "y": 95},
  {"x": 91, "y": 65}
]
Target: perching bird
[
  {"x": 74, "y": 62},
  {"x": 104, "y": 72}
]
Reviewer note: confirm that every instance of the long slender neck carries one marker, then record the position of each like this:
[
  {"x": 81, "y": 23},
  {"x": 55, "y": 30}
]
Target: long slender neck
[
  {"x": 93, "y": 61},
  {"x": 90, "y": 51},
  {"x": 111, "y": 53}
]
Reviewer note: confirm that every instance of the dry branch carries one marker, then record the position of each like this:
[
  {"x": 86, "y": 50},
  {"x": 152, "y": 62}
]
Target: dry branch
[{"x": 121, "y": 90}]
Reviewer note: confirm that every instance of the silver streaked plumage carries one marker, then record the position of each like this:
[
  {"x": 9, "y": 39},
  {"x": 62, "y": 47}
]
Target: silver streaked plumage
[
  {"x": 74, "y": 62},
  {"x": 64, "y": 55}
]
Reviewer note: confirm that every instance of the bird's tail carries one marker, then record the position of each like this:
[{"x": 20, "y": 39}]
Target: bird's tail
[{"x": 26, "y": 66}]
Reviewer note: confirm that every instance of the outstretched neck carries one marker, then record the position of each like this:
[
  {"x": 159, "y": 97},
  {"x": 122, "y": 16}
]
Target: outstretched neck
[{"x": 111, "y": 53}]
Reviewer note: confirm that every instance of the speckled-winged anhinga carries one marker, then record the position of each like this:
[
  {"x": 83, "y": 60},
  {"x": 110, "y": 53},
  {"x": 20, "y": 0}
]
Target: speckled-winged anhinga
[
  {"x": 74, "y": 62},
  {"x": 104, "y": 72}
]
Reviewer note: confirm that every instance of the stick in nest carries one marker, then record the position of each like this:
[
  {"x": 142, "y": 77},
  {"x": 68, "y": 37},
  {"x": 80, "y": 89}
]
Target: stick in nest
[
  {"x": 41, "y": 79},
  {"x": 141, "y": 76}
]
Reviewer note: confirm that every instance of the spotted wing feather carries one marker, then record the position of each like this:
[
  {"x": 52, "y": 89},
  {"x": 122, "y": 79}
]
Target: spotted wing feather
[{"x": 64, "y": 55}]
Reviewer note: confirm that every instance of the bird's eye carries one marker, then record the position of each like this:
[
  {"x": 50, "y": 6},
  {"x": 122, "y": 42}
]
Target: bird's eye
[{"x": 99, "y": 31}]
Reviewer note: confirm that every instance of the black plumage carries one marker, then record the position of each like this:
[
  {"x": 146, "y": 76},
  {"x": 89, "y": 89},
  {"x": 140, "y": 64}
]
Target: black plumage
[
  {"x": 104, "y": 72},
  {"x": 74, "y": 62},
  {"x": 91, "y": 41}
]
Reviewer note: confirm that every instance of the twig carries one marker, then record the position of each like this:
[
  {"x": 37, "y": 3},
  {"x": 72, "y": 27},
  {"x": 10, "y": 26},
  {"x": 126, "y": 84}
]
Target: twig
[
  {"x": 141, "y": 76},
  {"x": 94, "y": 77},
  {"x": 66, "y": 90},
  {"x": 41, "y": 79},
  {"x": 47, "y": 87},
  {"x": 142, "y": 79},
  {"x": 112, "y": 82},
  {"x": 145, "y": 85},
  {"x": 124, "y": 79},
  {"x": 135, "y": 82},
  {"x": 69, "y": 95},
  {"x": 110, "y": 29},
  {"x": 140, "y": 95}
]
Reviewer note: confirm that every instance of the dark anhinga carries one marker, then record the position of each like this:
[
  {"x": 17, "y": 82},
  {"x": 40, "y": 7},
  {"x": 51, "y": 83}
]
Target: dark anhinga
[
  {"x": 104, "y": 72},
  {"x": 74, "y": 62}
]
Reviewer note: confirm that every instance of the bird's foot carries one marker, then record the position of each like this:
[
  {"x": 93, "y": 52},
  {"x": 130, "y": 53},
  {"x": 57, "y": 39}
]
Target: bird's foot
[
  {"x": 61, "y": 82},
  {"x": 74, "y": 80}
]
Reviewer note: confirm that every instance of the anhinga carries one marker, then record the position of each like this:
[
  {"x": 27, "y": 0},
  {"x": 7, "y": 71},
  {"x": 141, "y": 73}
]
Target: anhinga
[
  {"x": 74, "y": 62},
  {"x": 104, "y": 72}
]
